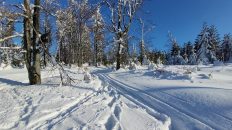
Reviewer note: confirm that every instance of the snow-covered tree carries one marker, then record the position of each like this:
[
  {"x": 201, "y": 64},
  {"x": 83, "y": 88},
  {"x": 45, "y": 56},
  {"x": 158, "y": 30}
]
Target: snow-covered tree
[
  {"x": 98, "y": 30},
  {"x": 178, "y": 59},
  {"x": 192, "y": 60},
  {"x": 7, "y": 21},
  {"x": 32, "y": 41},
  {"x": 143, "y": 57},
  {"x": 227, "y": 48},
  {"x": 175, "y": 48},
  {"x": 49, "y": 7},
  {"x": 203, "y": 45},
  {"x": 186, "y": 50},
  {"x": 122, "y": 14},
  {"x": 74, "y": 33},
  {"x": 214, "y": 43},
  {"x": 207, "y": 45},
  {"x": 87, "y": 55}
]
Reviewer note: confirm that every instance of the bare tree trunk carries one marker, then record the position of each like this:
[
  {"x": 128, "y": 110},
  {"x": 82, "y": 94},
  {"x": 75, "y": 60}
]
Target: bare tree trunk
[
  {"x": 96, "y": 53},
  {"x": 27, "y": 39},
  {"x": 80, "y": 46},
  {"x": 36, "y": 52},
  {"x": 32, "y": 54},
  {"x": 46, "y": 47},
  {"x": 118, "y": 57}
]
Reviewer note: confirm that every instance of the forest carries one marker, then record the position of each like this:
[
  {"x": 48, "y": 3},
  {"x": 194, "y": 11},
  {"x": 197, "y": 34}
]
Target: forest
[
  {"x": 94, "y": 65},
  {"x": 80, "y": 33}
]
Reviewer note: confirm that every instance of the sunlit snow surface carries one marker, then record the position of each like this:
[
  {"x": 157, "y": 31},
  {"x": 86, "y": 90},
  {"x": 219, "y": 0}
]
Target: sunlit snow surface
[
  {"x": 167, "y": 97},
  {"x": 194, "y": 97},
  {"x": 91, "y": 105}
]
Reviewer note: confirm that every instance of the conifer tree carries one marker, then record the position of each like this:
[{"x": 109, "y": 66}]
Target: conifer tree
[{"x": 227, "y": 48}]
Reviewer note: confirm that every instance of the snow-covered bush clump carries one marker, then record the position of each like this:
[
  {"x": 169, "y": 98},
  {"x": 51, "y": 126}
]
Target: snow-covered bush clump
[
  {"x": 113, "y": 67},
  {"x": 133, "y": 66},
  {"x": 151, "y": 66},
  {"x": 138, "y": 63},
  {"x": 172, "y": 74},
  {"x": 145, "y": 61},
  {"x": 87, "y": 77},
  {"x": 159, "y": 63},
  {"x": 194, "y": 69},
  {"x": 123, "y": 66},
  {"x": 206, "y": 76},
  {"x": 192, "y": 58},
  {"x": 178, "y": 59}
]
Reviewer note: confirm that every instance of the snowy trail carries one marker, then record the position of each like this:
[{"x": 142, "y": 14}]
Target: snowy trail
[
  {"x": 86, "y": 105},
  {"x": 183, "y": 113}
]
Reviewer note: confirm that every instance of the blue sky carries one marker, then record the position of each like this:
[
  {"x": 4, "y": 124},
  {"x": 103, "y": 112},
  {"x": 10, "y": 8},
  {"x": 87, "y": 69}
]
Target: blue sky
[{"x": 184, "y": 18}]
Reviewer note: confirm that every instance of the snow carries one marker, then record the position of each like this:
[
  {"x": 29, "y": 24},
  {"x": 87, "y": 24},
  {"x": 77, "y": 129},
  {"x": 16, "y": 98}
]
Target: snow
[
  {"x": 194, "y": 97},
  {"x": 82, "y": 105},
  {"x": 166, "y": 97}
]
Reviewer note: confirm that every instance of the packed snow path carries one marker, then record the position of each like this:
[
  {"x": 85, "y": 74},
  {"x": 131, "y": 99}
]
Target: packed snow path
[{"x": 195, "y": 103}]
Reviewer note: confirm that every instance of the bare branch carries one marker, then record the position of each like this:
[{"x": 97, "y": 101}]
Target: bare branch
[{"x": 10, "y": 37}]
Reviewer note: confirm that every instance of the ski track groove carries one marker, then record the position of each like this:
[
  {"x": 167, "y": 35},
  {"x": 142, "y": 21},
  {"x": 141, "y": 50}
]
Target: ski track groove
[
  {"x": 226, "y": 118},
  {"x": 117, "y": 83}
]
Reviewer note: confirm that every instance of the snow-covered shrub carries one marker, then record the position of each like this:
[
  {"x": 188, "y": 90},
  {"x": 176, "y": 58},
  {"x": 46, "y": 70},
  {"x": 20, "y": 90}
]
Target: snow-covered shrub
[
  {"x": 159, "y": 61},
  {"x": 194, "y": 69},
  {"x": 18, "y": 60},
  {"x": 206, "y": 76},
  {"x": 87, "y": 77},
  {"x": 151, "y": 66},
  {"x": 210, "y": 76},
  {"x": 192, "y": 60},
  {"x": 188, "y": 71},
  {"x": 138, "y": 63},
  {"x": 133, "y": 66},
  {"x": 178, "y": 59},
  {"x": 172, "y": 75},
  {"x": 146, "y": 61},
  {"x": 113, "y": 67},
  {"x": 123, "y": 66}
]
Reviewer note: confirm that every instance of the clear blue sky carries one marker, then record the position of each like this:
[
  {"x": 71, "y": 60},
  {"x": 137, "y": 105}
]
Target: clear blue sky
[{"x": 184, "y": 18}]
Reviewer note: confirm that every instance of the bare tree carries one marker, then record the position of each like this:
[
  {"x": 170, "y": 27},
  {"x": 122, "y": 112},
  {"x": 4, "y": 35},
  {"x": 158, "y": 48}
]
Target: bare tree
[
  {"x": 122, "y": 14},
  {"x": 74, "y": 35},
  {"x": 31, "y": 41},
  {"x": 98, "y": 30}
]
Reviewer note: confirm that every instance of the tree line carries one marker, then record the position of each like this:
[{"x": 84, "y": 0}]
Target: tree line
[
  {"x": 79, "y": 31},
  {"x": 97, "y": 33},
  {"x": 208, "y": 48}
]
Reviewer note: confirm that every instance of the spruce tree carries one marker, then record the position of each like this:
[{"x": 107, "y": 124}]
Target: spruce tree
[
  {"x": 227, "y": 48},
  {"x": 202, "y": 45},
  {"x": 214, "y": 43}
]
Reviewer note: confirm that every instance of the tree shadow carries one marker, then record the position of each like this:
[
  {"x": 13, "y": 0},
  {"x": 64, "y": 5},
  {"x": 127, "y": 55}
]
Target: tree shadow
[{"x": 12, "y": 82}]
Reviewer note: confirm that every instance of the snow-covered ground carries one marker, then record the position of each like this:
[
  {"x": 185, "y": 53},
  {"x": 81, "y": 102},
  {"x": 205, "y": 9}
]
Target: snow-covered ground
[
  {"x": 197, "y": 98},
  {"x": 85, "y": 105},
  {"x": 167, "y": 97}
]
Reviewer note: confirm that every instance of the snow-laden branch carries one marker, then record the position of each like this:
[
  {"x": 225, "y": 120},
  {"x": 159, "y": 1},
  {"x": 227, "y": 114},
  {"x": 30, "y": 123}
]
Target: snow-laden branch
[
  {"x": 12, "y": 48},
  {"x": 10, "y": 37}
]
